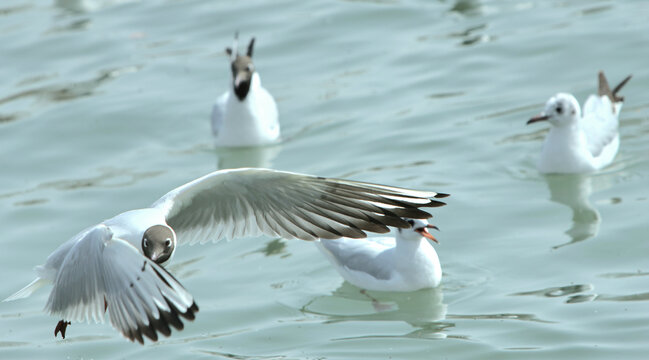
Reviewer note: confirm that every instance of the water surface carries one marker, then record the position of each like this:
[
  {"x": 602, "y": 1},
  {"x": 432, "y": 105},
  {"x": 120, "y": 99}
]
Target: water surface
[{"x": 104, "y": 107}]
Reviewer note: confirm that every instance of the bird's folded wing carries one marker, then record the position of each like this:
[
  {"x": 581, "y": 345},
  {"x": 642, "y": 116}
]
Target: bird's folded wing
[
  {"x": 599, "y": 123},
  {"x": 249, "y": 202},
  {"x": 141, "y": 297},
  {"x": 358, "y": 255},
  {"x": 218, "y": 113}
]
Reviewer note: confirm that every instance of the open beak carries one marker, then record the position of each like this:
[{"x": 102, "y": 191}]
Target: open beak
[
  {"x": 538, "y": 118},
  {"x": 424, "y": 232}
]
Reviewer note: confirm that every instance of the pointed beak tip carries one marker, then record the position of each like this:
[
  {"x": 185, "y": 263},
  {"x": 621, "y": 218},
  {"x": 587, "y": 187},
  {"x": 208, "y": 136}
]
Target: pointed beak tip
[
  {"x": 426, "y": 234},
  {"x": 537, "y": 119}
]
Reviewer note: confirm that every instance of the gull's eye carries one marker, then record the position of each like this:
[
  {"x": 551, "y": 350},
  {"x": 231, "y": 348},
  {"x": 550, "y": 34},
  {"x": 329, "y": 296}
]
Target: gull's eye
[
  {"x": 250, "y": 68},
  {"x": 146, "y": 242},
  {"x": 559, "y": 109},
  {"x": 168, "y": 243}
]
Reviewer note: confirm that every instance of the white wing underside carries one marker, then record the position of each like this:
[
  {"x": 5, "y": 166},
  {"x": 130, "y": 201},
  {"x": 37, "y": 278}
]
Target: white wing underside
[
  {"x": 28, "y": 290},
  {"x": 600, "y": 123},
  {"x": 141, "y": 297},
  {"x": 250, "y": 202}
]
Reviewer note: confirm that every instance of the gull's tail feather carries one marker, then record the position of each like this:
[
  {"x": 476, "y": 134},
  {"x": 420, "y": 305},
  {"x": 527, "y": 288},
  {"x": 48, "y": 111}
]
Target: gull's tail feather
[{"x": 27, "y": 290}]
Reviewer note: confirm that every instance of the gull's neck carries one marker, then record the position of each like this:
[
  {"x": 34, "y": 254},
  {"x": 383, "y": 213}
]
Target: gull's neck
[
  {"x": 417, "y": 262},
  {"x": 566, "y": 134},
  {"x": 407, "y": 246},
  {"x": 565, "y": 150}
]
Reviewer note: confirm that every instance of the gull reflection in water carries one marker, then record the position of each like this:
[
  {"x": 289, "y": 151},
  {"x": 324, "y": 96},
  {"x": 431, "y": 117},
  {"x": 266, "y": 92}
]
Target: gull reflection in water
[
  {"x": 574, "y": 190},
  {"x": 423, "y": 309},
  {"x": 237, "y": 157}
]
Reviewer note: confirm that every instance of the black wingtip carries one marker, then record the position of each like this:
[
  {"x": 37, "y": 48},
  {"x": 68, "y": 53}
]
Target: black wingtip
[
  {"x": 190, "y": 314},
  {"x": 163, "y": 324},
  {"x": 441, "y": 195},
  {"x": 435, "y": 203},
  {"x": 619, "y": 87},
  {"x": 605, "y": 90},
  {"x": 166, "y": 318}
]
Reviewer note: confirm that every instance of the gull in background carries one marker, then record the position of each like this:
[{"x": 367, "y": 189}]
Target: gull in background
[
  {"x": 579, "y": 143},
  {"x": 246, "y": 115},
  {"x": 407, "y": 262},
  {"x": 116, "y": 266}
]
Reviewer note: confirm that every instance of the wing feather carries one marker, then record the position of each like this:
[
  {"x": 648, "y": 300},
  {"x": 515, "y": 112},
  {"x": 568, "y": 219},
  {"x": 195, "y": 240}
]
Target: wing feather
[
  {"x": 143, "y": 298},
  {"x": 248, "y": 202},
  {"x": 599, "y": 123},
  {"x": 600, "y": 118},
  {"x": 354, "y": 255},
  {"x": 345, "y": 218}
]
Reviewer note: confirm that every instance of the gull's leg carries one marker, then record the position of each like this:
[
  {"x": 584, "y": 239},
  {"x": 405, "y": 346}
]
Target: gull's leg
[
  {"x": 377, "y": 305},
  {"x": 61, "y": 327}
]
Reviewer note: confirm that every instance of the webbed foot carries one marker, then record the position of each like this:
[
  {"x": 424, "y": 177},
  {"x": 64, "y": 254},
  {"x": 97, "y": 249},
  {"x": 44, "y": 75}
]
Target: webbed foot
[{"x": 61, "y": 327}]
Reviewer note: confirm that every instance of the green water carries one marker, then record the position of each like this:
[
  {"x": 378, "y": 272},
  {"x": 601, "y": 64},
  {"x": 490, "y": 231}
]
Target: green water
[{"x": 104, "y": 107}]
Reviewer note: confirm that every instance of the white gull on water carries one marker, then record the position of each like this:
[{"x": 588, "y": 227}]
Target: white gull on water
[
  {"x": 245, "y": 115},
  {"x": 407, "y": 262},
  {"x": 581, "y": 142},
  {"x": 116, "y": 265}
]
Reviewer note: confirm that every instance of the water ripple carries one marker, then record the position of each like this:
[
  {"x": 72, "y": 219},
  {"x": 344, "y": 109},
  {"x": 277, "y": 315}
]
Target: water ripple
[
  {"x": 557, "y": 291},
  {"x": 502, "y": 316},
  {"x": 108, "y": 178},
  {"x": 66, "y": 92}
]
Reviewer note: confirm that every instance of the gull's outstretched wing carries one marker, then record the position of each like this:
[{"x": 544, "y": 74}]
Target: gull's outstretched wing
[
  {"x": 101, "y": 272},
  {"x": 249, "y": 202}
]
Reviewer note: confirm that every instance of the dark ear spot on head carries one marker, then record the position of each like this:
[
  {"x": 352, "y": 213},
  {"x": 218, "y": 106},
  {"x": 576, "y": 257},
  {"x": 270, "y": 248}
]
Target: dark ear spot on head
[
  {"x": 228, "y": 51},
  {"x": 250, "y": 46}
]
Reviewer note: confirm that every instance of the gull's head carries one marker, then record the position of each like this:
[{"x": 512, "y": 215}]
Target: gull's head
[
  {"x": 158, "y": 243},
  {"x": 242, "y": 68},
  {"x": 418, "y": 229},
  {"x": 562, "y": 109}
]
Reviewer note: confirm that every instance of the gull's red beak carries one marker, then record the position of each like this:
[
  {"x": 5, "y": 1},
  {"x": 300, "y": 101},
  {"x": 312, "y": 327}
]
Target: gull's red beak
[
  {"x": 537, "y": 118},
  {"x": 424, "y": 232}
]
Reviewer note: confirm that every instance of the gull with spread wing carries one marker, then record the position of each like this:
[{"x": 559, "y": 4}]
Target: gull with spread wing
[{"x": 116, "y": 266}]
